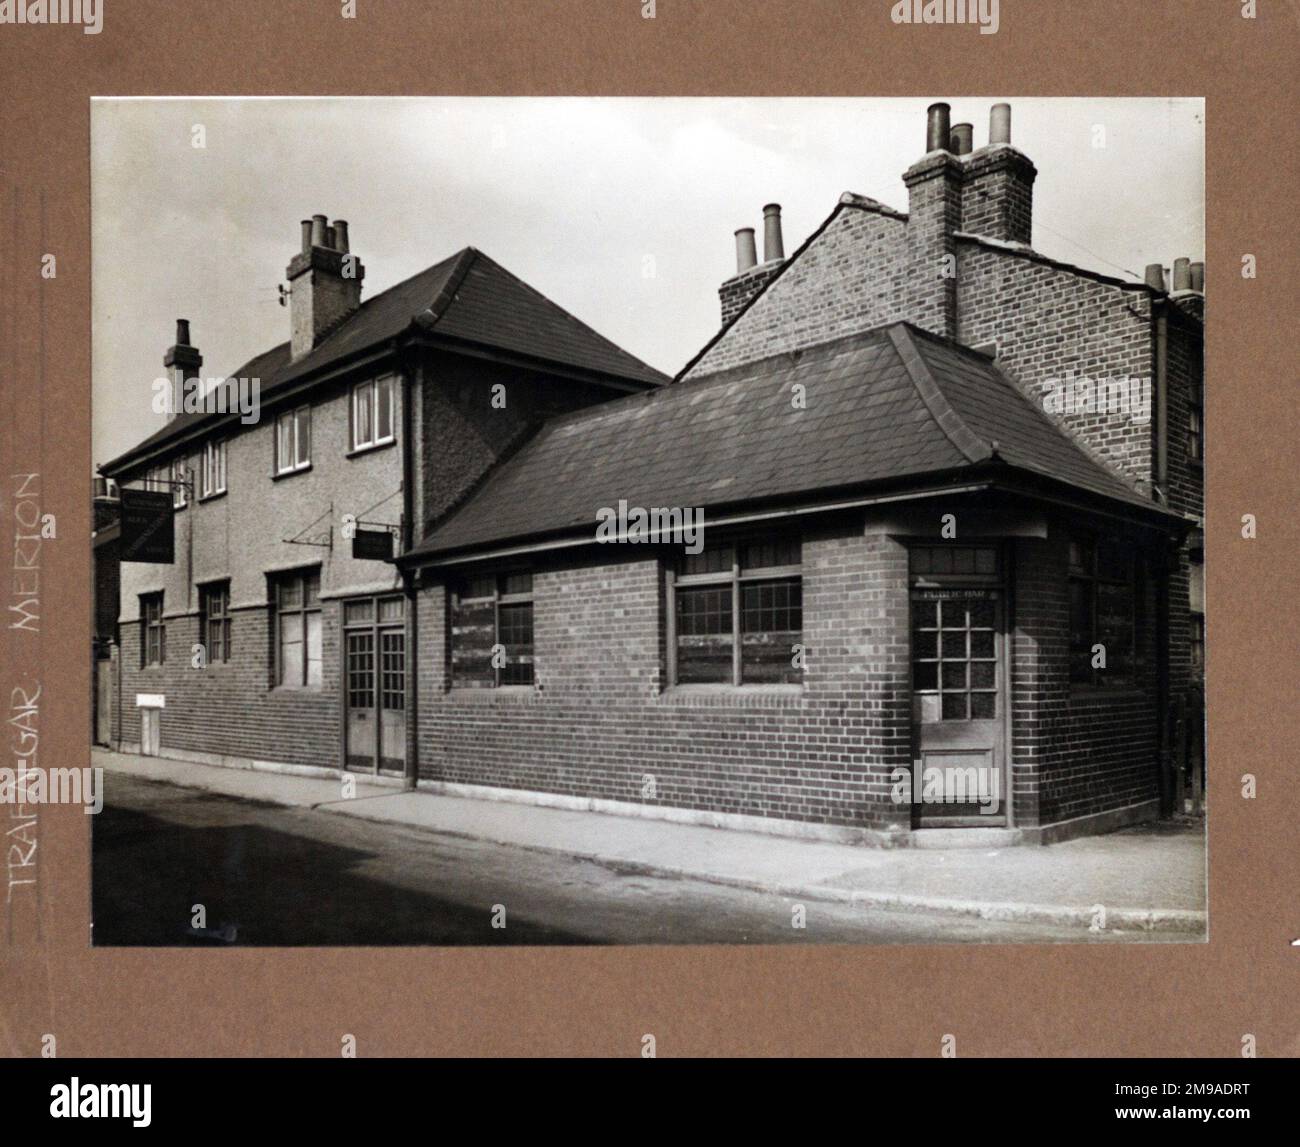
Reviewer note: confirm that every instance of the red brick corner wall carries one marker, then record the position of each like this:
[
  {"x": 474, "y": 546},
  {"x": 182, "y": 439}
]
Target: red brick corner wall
[{"x": 603, "y": 726}]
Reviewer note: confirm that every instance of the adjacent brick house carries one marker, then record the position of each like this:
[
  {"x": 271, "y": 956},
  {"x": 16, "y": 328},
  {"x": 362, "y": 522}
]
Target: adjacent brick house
[{"x": 953, "y": 491}]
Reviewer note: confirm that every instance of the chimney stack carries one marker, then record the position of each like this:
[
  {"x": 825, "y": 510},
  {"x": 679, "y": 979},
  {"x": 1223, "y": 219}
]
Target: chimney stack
[
  {"x": 182, "y": 361},
  {"x": 752, "y": 276},
  {"x": 773, "y": 246},
  {"x": 324, "y": 283},
  {"x": 746, "y": 254},
  {"x": 998, "y": 191},
  {"x": 999, "y": 125},
  {"x": 937, "y": 131}
]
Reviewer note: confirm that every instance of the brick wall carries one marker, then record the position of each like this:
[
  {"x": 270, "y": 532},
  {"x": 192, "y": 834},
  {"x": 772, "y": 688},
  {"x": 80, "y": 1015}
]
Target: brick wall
[
  {"x": 1076, "y": 751},
  {"x": 228, "y": 708},
  {"x": 602, "y": 721},
  {"x": 1051, "y": 325},
  {"x": 849, "y": 278}
]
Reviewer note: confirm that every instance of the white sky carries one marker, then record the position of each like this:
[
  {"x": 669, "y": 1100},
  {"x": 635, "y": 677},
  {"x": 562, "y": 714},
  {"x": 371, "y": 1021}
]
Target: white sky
[{"x": 620, "y": 210}]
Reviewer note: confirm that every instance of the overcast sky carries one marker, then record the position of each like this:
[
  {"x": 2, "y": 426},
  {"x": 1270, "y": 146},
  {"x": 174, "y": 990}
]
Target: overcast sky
[{"x": 620, "y": 210}]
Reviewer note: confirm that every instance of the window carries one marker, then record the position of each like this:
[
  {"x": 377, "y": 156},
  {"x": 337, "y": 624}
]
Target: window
[
  {"x": 158, "y": 479},
  {"x": 738, "y": 614},
  {"x": 492, "y": 632},
  {"x": 293, "y": 440},
  {"x": 213, "y": 477},
  {"x": 214, "y": 621},
  {"x": 954, "y": 656},
  {"x": 153, "y": 633},
  {"x": 1196, "y": 422},
  {"x": 297, "y": 630},
  {"x": 372, "y": 413},
  {"x": 180, "y": 484},
  {"x": 1101, "y": 612},
  {"x": 1198, "y": 642}
]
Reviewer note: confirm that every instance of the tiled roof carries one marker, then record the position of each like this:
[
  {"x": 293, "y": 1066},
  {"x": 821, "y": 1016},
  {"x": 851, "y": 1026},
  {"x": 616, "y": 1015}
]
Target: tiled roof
[
  {"x": 892, "y": 403},
  {"x": 468, "y": 297}
]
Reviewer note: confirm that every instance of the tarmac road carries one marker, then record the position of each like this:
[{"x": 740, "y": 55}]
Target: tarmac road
[{"x": 273, "y": 875}]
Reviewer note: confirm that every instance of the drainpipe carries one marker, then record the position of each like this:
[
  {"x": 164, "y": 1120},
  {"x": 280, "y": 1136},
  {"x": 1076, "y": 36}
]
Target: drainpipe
[
  {"x": 412, "y": 375},
  {"x": 1160, "y": 328}
]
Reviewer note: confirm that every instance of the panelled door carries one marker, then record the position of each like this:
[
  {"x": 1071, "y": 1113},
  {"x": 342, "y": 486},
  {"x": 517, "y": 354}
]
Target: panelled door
[
  {"x": 959, "y": 681},
  {"x": 374, "y": 684}
]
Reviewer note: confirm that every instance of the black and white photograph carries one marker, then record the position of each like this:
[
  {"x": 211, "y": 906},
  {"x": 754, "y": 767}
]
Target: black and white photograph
[{"x": 648, "y": 521}]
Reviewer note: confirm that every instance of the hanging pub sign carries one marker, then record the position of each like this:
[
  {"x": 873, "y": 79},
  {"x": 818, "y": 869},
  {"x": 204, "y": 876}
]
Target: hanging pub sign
[
  {"x": 372, "y": 545},
  {"x": 147, "y": 526}
]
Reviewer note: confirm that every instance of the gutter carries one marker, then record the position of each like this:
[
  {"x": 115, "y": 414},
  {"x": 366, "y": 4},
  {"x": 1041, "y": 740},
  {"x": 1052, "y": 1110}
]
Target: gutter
[{"x": 420, "y": 561}]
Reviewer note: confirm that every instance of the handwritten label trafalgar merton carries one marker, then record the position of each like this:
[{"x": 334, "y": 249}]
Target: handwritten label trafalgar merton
[
  {"x": 88, "y": 13},
  {"x": 25, "y": 583}
]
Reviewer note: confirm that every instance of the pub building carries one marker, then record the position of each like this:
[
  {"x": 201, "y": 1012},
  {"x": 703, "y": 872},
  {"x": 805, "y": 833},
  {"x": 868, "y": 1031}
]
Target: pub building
[{"x": 949, "y": 585}]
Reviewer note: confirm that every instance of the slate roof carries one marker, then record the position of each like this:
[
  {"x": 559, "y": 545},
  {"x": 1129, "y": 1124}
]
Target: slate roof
[
  {"x": 468, "y": 297},
  {"x": 892, "y": 403}
]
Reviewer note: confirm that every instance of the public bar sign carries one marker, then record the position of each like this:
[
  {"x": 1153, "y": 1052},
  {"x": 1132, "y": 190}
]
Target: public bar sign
[
  {"x": 373, "y": 545},
  {"x": 147, "y": 534}
]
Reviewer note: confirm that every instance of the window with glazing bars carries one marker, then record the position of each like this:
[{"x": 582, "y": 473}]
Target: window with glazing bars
[
  {"x": 214, "y": 620},
  {"x": 738, "y": 614},
  {"x": 297, "y": 630},
  {"x": 153, "y": 637},
  {"x": 492, "y": 632},
  {"x": 1102, "y": 612}
]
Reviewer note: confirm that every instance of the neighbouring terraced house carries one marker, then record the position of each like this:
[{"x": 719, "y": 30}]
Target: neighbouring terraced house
[{"x": 949, "y": 576}]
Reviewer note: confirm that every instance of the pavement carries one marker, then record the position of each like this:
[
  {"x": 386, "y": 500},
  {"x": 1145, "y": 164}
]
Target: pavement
[{"x": 1149, "y": 878}]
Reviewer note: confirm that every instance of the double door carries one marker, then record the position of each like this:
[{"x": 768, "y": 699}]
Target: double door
[{"x": 374, "y": 682}]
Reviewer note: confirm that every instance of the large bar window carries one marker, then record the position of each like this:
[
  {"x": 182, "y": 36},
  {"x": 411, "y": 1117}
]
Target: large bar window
[
  {"x": 492, "y": 632},
  {"x": 1102, "y": 597},
  {"x": 738, "y": 614}
]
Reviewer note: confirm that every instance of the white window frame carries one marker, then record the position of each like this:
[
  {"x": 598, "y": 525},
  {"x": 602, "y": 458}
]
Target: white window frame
[
  {"x": 368, "y": 393},
  {"x": 213, "y": 470},
  {"x": 179, "y": 479},
  {"x": 301, "y": 458}
]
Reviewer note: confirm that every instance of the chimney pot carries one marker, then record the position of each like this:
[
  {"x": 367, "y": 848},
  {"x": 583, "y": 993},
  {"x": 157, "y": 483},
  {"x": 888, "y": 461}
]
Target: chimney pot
[
  {"x": 1000, "y": 124},
  {"x": 773, "y": 245},
  {"x": 937, "y": 130},
  {"x": 329, "y": 237},
  {"x": 306, "y": 236},
  {"x": 963, "y": 135},
  {"x": 318, "y": 231},
  {"x": 1198, "y": 277},
  {"x": 1182, "y": 274},
  {"x": 1155, "y": 276},
  {"x": 746, "y": 253},
  {"x": 341, "y": 235},
  {"x": 182, "y": 332}
]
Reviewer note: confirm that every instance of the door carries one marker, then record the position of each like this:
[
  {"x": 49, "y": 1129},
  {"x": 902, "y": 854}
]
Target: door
[
  {"x": 361, "y": 724},
  {"x": 103, "y": 702},
  {"x": 149, "y": 731},
  {"x": 374, "y": 675},
  {"x": 392, "y": 700},
  {"x": 958, "y": 707}
]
